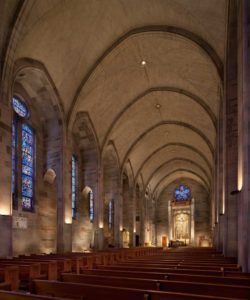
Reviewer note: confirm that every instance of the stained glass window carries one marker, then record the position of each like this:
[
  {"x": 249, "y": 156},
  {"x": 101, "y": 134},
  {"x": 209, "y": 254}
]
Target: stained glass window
[
  {"x": 91, "y": 206},
  {"x": 14, "y": 164},
  {"x": 27, "y": 167},
  {"x": 26, "y": 150},
  {"x": 182, "y": 193},
  {"x": 20, "y": 108},
  {"x": 110, "y": 213},
  {"x": 74, "y": 185}
]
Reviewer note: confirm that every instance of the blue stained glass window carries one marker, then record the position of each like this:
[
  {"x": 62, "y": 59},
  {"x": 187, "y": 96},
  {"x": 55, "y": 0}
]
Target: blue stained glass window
[
  {"x": 91, "y": 206},
  {"x": 182, "y": 193},
  {"x": 27, "y": 167},
  {"x": 27, "y": 203},
  {"x": 74, "y": 185},
  {"x": 110, "y": 213},
  {"x": 14, "y": 164},
  {"x": 20, "y": 107}
]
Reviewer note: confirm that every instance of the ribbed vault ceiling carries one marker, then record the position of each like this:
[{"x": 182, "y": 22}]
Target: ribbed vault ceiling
[{"x": 162, "y": 115}]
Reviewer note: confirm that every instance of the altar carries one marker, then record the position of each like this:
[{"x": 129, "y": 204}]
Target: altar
[{"x": 181, "y": 216}]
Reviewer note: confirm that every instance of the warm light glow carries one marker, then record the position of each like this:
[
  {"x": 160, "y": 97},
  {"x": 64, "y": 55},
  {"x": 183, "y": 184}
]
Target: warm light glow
[
  {"x": 240, "y": 179},
  {"x": 223, "y": 199},
  {"x": 121, "y": 228},
  {"x": 100, "y": 224},
  {"x": 68, "y": 220},
  {"x": 143, "y": 62},
  {"x": 5, "y": 210},
  {"x": 134, "y": 230}
]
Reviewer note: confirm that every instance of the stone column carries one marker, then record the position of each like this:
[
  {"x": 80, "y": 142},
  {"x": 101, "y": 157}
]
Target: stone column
[
  {"x": 5, "y": 181},
  {"x": 243, "y": 132},
  {"x": 118, "y": 219},
  {"x": 64, "y": 205},
  {"x": 99, "y": 211},
  {"x": 231, "y": 134},
  {"x": 192, "y": 222},
  {"x": 170, "y": 222}
]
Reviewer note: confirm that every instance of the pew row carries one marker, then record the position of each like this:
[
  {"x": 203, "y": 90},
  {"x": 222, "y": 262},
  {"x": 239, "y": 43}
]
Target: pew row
[
  {"x": 9, "y": 278},
  {"x": 171, "y": 276},
  {"x": 211, "y": 289},
  {"x": 93, "y": 292},
  {"x": 4, "y": 295}
]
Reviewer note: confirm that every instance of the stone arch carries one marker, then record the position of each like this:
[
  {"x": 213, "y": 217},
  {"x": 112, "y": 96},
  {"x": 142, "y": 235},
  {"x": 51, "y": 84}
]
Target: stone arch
[
  {"x": 32, "y": 83},
  {"x": 128, "y": 196},
  {"x": 166, "y": 89},
  {"x": 146, "y": 29},
  {"x": 111, "y": 192},
  {"x": 164, "y": 147},
  {"x": 140, "y": 211},
  {"x": 189, "y": 127},
  {"x": 84, "y": 144},
  {"x": 182, "y": 160}
]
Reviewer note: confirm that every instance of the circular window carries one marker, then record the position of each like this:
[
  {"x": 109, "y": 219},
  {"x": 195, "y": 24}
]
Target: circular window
[
  {"x": 182, "y": 193},
  {"x": 20, "y": 107}
]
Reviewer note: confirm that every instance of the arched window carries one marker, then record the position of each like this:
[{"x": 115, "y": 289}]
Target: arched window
[
  {"x": 111, "y": 214},
  {"x": 74, "y": 180},
  {"x": 182, "y": 193},
  {"x": 23, "y": 156},
  {"x": 91, "y": 206}
]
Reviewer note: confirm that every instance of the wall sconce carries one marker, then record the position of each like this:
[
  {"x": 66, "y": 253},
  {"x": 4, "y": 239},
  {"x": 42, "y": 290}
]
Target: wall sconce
[{"x": 49, "y": 176}]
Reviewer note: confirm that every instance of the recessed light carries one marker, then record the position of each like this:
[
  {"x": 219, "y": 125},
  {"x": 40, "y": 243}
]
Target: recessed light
[
  {"x": 143, "y": 62},
  {"x": 158, "y": 106}
]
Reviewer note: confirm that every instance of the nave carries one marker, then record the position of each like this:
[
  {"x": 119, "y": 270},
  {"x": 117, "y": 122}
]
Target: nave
[
  {"x": 135, "y": 273},
  {"x": 124, "y": 149}
]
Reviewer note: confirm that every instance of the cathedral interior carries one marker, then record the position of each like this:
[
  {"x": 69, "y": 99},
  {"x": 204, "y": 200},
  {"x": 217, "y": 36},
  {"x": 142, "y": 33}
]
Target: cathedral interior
[{"x": 124, "y": 123}]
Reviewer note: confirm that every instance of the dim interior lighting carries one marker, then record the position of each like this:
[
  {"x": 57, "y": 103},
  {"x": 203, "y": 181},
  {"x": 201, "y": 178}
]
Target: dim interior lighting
[
  {"x": 157, "y": 106},
  {"x": 143, "y": 62}
]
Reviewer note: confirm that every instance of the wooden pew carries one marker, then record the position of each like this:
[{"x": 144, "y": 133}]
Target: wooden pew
[
  {"x": 48, "y": 267},
  {"x": 169, "y": 270},
  {"x": 172, "y": 276},
  {"x": 9, "y": 276},
  {"x": 27, "y": 271},
  {"x": 94, "y": 292},
  {"x": 4, "y": 295},
  {"x": 180, "y": 265},
  {"x": 232, "y": 291},
  {"x": 63, "y": 264}
]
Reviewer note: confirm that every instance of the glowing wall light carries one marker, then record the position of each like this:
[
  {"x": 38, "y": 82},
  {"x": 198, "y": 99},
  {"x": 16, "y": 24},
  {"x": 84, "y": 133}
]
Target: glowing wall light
[
  {"x": 100, "y": 224},
  {"x": 68, "y": 220},
  {"x": 240, "y": 177},
  {"x": 5, "y": 209}
]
